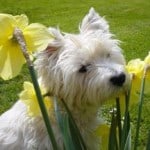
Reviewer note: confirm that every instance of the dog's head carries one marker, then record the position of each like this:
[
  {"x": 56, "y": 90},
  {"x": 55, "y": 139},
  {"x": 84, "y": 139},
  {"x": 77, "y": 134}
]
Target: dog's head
[{"x": 84, "y": 68}]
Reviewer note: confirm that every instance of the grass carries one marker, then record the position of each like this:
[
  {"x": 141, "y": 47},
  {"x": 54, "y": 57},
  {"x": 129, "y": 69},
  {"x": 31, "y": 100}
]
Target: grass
[{"x": 129, "y": 21}]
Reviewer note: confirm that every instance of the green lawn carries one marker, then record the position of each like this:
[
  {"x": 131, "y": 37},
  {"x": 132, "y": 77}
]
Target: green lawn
[{"x": 129, "y": 21}]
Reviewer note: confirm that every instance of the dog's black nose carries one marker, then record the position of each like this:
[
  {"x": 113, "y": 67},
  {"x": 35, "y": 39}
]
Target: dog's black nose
[{"x": 118, "y": 80}]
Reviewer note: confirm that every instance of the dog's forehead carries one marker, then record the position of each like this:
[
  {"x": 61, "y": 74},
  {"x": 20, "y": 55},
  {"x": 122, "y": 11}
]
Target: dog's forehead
[
  {"x": 87, "y": 46},
  {"x": 81, "y": 50}
]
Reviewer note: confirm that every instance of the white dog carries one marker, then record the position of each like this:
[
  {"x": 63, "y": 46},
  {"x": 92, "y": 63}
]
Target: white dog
[{"x": 84, "y": 69}]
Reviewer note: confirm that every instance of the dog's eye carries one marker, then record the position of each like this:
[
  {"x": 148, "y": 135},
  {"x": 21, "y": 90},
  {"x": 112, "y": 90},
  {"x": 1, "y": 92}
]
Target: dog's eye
[
  {"x": 108, "y": 55},
  {"x": 83, "y": 69}
]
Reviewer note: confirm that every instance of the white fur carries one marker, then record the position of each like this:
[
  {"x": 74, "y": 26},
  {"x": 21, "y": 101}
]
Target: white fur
[{"x": 58, "y": 67}]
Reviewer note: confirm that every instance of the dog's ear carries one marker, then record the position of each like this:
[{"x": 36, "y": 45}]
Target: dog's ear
[
  {"x": 93, "y": 22},
  {"x": 57, "y": 42}
]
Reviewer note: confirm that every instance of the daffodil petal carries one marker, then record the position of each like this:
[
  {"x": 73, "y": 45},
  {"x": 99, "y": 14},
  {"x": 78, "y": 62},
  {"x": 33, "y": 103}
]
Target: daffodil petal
[
  {"x": 102, "y": 132},
  {"x": 147, "y": 87},
  {"x": 27, "y": 86},
  {"x": 148, "y": 74},
  {"x": 28, "y": 96},
  {"x": 6, "y": 27},
  {"x": 136, "y": 67},
  {"x": 147, "y": 59},
  {"x": 37, "y": 37},
  {"x": 11, "y": 60},
  {"x": 21, "y": 21}
]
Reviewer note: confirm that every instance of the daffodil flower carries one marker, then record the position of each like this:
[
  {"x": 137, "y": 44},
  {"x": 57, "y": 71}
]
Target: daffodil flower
[
  {"x": 102, "y": 132},
  {"x": 136, "y": 68},
  {"x": 36, "y": 36},
  {"x": 28, "y": 96},
  {"x": 147, "y": 59}
]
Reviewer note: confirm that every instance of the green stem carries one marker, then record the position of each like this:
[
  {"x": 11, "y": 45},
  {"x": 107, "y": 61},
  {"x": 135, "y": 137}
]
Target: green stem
[
  {"x": 139, "y": 110},
  {"x": 22, "y": 43},
  {"x": 42, "y": 107},
  {"x": 119, "y": 120},
  {"x": 148, "y": 142},
  {"x": 113, "y": 143},
  {"x": 126, "y": 121}
]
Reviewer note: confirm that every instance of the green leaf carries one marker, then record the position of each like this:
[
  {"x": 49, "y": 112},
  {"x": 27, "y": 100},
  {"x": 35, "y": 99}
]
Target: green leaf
[
  {"x": 75, "y": 136},
  {"x": 63, "y": 123},
  {"x": 119, "y": 120},
  {"x": 70, "y": 132},
  {"x": 139, "y": 111},
  {"x": 148, "y": 142},
  {"x": 126, "y": 122},
  {"x": 74, "y": 129},
  {"x": 113, "y": 144},
  {"x": 128, "y": 141},
  {"x": 126, "y": 128}
]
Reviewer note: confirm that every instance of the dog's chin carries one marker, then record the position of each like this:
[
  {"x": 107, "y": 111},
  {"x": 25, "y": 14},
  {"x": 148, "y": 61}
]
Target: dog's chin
[
  {"x": 118, "y": 92},
  {"x": 115, "y": 92}
]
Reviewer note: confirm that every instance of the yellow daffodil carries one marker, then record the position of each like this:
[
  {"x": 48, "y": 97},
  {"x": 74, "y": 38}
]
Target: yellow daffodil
[
  {"x": 147, "y": 61},
  {"x": 147, "y": 84},
  {"x": 136, "y": 68},
  {"x": 102, "y": 132},
  {"x": 11, "y": 59},
  {"x": 28, "y": 96}
]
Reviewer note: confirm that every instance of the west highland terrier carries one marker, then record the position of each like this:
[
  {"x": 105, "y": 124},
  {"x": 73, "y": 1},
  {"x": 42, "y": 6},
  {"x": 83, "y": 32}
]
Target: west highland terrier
[{"x": 84, "y": 70}]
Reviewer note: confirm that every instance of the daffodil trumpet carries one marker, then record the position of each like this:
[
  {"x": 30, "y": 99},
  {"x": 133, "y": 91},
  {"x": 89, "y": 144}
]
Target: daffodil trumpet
[{"x": 21, "y": 41}]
